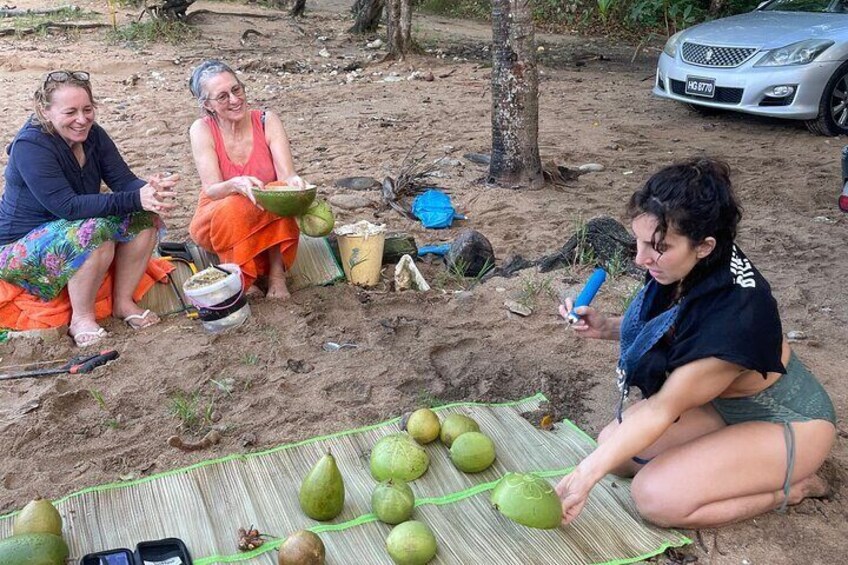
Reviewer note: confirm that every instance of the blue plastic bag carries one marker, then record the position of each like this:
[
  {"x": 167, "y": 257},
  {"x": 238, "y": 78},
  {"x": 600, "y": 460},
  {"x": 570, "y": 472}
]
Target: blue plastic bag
[
  {"x": 440, "y": 249},
  {"x": 435, "y": 210}
]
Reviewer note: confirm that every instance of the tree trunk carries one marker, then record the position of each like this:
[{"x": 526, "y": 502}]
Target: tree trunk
[
  {"x": 399, "y": 28},
  {"x": 297, "y": 9},
  {"x": 515, "y": 97},
  {"x": 716, "y": 6},
  {"x": 368, "y": 14}
]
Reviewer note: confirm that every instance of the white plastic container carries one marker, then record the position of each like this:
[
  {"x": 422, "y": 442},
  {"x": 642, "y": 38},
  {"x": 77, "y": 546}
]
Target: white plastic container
[{"x": 220, "y": 295}]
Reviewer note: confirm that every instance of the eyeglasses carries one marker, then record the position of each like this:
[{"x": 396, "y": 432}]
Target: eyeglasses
[
  {"x": 224, "y": 97},
  {"x": 65, "y": 76}
]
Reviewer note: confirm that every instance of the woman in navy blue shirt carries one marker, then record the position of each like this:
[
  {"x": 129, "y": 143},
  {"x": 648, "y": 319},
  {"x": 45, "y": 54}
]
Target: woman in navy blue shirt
[{"x": 57, "y": 229}]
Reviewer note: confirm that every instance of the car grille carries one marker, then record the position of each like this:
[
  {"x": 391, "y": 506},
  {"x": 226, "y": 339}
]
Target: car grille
[
  {"x": 709, "y": 56},
  {"x": 723, "y": 94}
]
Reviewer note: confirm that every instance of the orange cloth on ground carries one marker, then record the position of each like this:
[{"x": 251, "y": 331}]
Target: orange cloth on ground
[
  {"x": 232, "y": 227},
  {"x": 20, "y": 310}
]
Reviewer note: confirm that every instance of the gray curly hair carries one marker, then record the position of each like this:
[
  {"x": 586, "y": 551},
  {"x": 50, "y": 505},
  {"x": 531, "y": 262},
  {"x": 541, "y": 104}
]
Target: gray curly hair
[{"x": 202, "y": 73}]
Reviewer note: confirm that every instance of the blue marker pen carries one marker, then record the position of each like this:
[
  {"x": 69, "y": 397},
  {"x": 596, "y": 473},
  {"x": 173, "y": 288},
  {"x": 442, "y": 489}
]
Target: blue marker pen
[{"x": 588, "y": 293}]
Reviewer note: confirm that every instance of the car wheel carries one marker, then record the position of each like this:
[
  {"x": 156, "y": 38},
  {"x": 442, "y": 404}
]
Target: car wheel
[
  {"x": 706, "y": 111},
  {"x": 833, "y": 108}
]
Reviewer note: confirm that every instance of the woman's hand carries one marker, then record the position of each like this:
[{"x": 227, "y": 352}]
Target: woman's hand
[
  {"x": 156, "y": 194},
  {"x": 573, "y": 490},
  {"x": 590, "y": 324},
  {"x": 296, "y": 181},
  {"x": 163, "y": 182},
  {"x": 244, "y": 185}
]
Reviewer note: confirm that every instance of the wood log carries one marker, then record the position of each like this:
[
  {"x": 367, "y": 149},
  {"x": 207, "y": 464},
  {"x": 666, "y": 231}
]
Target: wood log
[{"x": 14, "y": 13}]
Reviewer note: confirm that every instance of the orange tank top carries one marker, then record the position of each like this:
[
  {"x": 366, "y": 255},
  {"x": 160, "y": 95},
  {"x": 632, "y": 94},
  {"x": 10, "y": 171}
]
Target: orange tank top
[{"x": 259, "y": 164}]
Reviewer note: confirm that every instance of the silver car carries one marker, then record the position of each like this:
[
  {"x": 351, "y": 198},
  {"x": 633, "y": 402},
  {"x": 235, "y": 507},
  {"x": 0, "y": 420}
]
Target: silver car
[{"x": 786, "y": 59}]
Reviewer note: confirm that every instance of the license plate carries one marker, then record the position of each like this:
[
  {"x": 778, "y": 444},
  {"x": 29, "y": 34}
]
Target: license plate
[{"x": 704, "y": 87}]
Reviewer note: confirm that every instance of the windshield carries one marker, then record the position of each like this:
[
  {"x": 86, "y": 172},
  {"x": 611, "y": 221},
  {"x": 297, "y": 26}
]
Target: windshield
[{"x": 831, "y": 6}]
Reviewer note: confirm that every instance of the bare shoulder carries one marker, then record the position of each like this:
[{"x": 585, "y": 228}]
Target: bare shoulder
[
  {"x": 199, "y": 132},
  {"x": 273, "y": 123}
]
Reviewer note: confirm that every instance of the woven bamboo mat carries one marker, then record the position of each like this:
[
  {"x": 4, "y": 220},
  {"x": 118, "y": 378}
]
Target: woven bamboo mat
[{"x": 206, "y": 503}]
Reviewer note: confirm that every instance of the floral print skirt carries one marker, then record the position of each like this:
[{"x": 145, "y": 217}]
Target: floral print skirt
[{"x": 45, "y": 259}]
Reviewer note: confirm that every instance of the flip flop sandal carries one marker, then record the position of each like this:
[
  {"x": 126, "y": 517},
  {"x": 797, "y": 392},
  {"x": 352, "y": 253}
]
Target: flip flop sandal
[
  {"x": 86, "y": 339},
  {"x": 140, "y": 321}
]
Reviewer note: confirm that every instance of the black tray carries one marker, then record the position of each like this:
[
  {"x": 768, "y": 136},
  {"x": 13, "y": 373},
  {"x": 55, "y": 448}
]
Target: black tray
[{"x": 168, "y": 551}]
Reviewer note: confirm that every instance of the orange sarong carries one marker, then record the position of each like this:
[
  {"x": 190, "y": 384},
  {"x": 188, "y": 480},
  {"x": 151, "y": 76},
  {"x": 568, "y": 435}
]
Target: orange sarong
[
  {"x": 20, "y": 310},
  {"x": 232, "y": 227}
]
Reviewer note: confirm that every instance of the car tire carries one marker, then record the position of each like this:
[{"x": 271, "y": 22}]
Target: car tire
[
  {"x": 826, "y": 123},
  {"x": 705, "y": 111}
]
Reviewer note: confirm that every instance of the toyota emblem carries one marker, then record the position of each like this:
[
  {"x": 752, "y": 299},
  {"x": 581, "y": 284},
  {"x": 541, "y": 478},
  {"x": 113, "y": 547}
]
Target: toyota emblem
[{"x": 708, "y": 56}]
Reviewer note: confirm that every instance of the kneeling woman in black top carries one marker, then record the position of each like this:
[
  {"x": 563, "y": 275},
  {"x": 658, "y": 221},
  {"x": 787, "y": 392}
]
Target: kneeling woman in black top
[{"x": 732, "y": 424}]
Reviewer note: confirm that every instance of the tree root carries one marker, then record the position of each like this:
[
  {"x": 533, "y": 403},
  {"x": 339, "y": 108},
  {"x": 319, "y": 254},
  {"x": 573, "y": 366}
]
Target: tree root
[
  {"x": 50, "y": 25},
  {"x": 210, "y": 439}
]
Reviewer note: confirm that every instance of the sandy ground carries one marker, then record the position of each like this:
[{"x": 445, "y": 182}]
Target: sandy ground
[{"x": 595, "y": 106}]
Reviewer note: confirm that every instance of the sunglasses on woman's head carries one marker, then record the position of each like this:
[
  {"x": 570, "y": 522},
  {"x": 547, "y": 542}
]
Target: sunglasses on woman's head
[{"x": 65, "y": 76}]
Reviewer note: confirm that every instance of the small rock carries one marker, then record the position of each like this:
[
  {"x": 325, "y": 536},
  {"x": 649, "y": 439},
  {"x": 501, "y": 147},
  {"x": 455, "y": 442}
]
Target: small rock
[
  {"x": 46, "y": 335},
  {"x": 796, "y": 335},
  {"x": 518, "y": 308},
  {"x": 393, "y": 78},
  {"x": 447, "y": 162},
  {"x": 350, "y": 201},
  {"x": 591, "y": 168},
  {"x": 464, "y": 296},
  {"x": 324, "y": 53},
  {"x": 478, "y": 158},
  {"x": 824, "y": 220},
  {"x": 376, "y": 44}
]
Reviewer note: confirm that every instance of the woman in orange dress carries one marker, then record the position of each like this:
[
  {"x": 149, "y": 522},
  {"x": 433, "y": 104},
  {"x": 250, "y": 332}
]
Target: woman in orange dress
[{"x": 236, "y": 150}]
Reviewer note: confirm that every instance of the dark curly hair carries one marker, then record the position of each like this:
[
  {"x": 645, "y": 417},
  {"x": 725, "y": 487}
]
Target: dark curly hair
[{"x": 695, "y": 198}]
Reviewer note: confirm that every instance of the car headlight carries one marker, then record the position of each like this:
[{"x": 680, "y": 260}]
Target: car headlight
[
  {"x": 799, "y": 53},
  {"x": 670, "y": 48}
]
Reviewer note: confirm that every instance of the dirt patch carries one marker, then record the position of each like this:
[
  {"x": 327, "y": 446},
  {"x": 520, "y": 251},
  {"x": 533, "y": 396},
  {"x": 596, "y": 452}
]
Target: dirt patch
[{"x": 347, "y": 114}]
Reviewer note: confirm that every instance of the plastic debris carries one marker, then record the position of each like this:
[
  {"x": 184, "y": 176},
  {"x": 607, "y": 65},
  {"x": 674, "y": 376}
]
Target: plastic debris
[{"x": 408, "y": 277}]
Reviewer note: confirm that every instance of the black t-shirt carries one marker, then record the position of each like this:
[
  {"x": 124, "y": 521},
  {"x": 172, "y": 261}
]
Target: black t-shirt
[{"x": 730, "y": 314}]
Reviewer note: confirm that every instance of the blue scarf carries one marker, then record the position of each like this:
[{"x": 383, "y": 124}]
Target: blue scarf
[{"x": 639, "y": 335}]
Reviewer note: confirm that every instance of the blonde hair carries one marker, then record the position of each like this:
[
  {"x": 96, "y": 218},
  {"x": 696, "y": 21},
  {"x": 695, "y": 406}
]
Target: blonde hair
[{"x": 43, "y": 98}]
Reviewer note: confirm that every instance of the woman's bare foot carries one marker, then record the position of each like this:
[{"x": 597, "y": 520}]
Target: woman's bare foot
[
  {"x": 277, "y": 288},
  {"x": 813, "y": 486}
]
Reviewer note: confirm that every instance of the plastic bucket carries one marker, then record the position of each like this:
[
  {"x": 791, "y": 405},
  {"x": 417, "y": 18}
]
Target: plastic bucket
[
  {"x": 221, "y": 304},
  {"x": 362, "y": 257}
]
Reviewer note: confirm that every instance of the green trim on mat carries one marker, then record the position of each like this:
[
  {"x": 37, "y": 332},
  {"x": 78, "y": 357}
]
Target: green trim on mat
[
  {"x": 440, "y": 500},
  {"x": 238, "y": 456}
]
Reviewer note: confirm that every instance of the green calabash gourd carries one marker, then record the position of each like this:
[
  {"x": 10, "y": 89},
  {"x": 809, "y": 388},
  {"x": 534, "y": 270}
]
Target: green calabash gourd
[
  {"x": 33, "y": 549},
  {"x": 392, "y": 501},
  {"x": 318, "y": 220},
  {"x": 322, "y": 492},
  {"x": 38, "y": 517},
  {"x": 472, "y": 452},
  {"x": 411, "y": 543},
  {"x": 454, "y": 426},
  {"x": 529, "y": 500},
  {"x": 423, "y": 425},
  {"x": 398, "y": 456}
]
